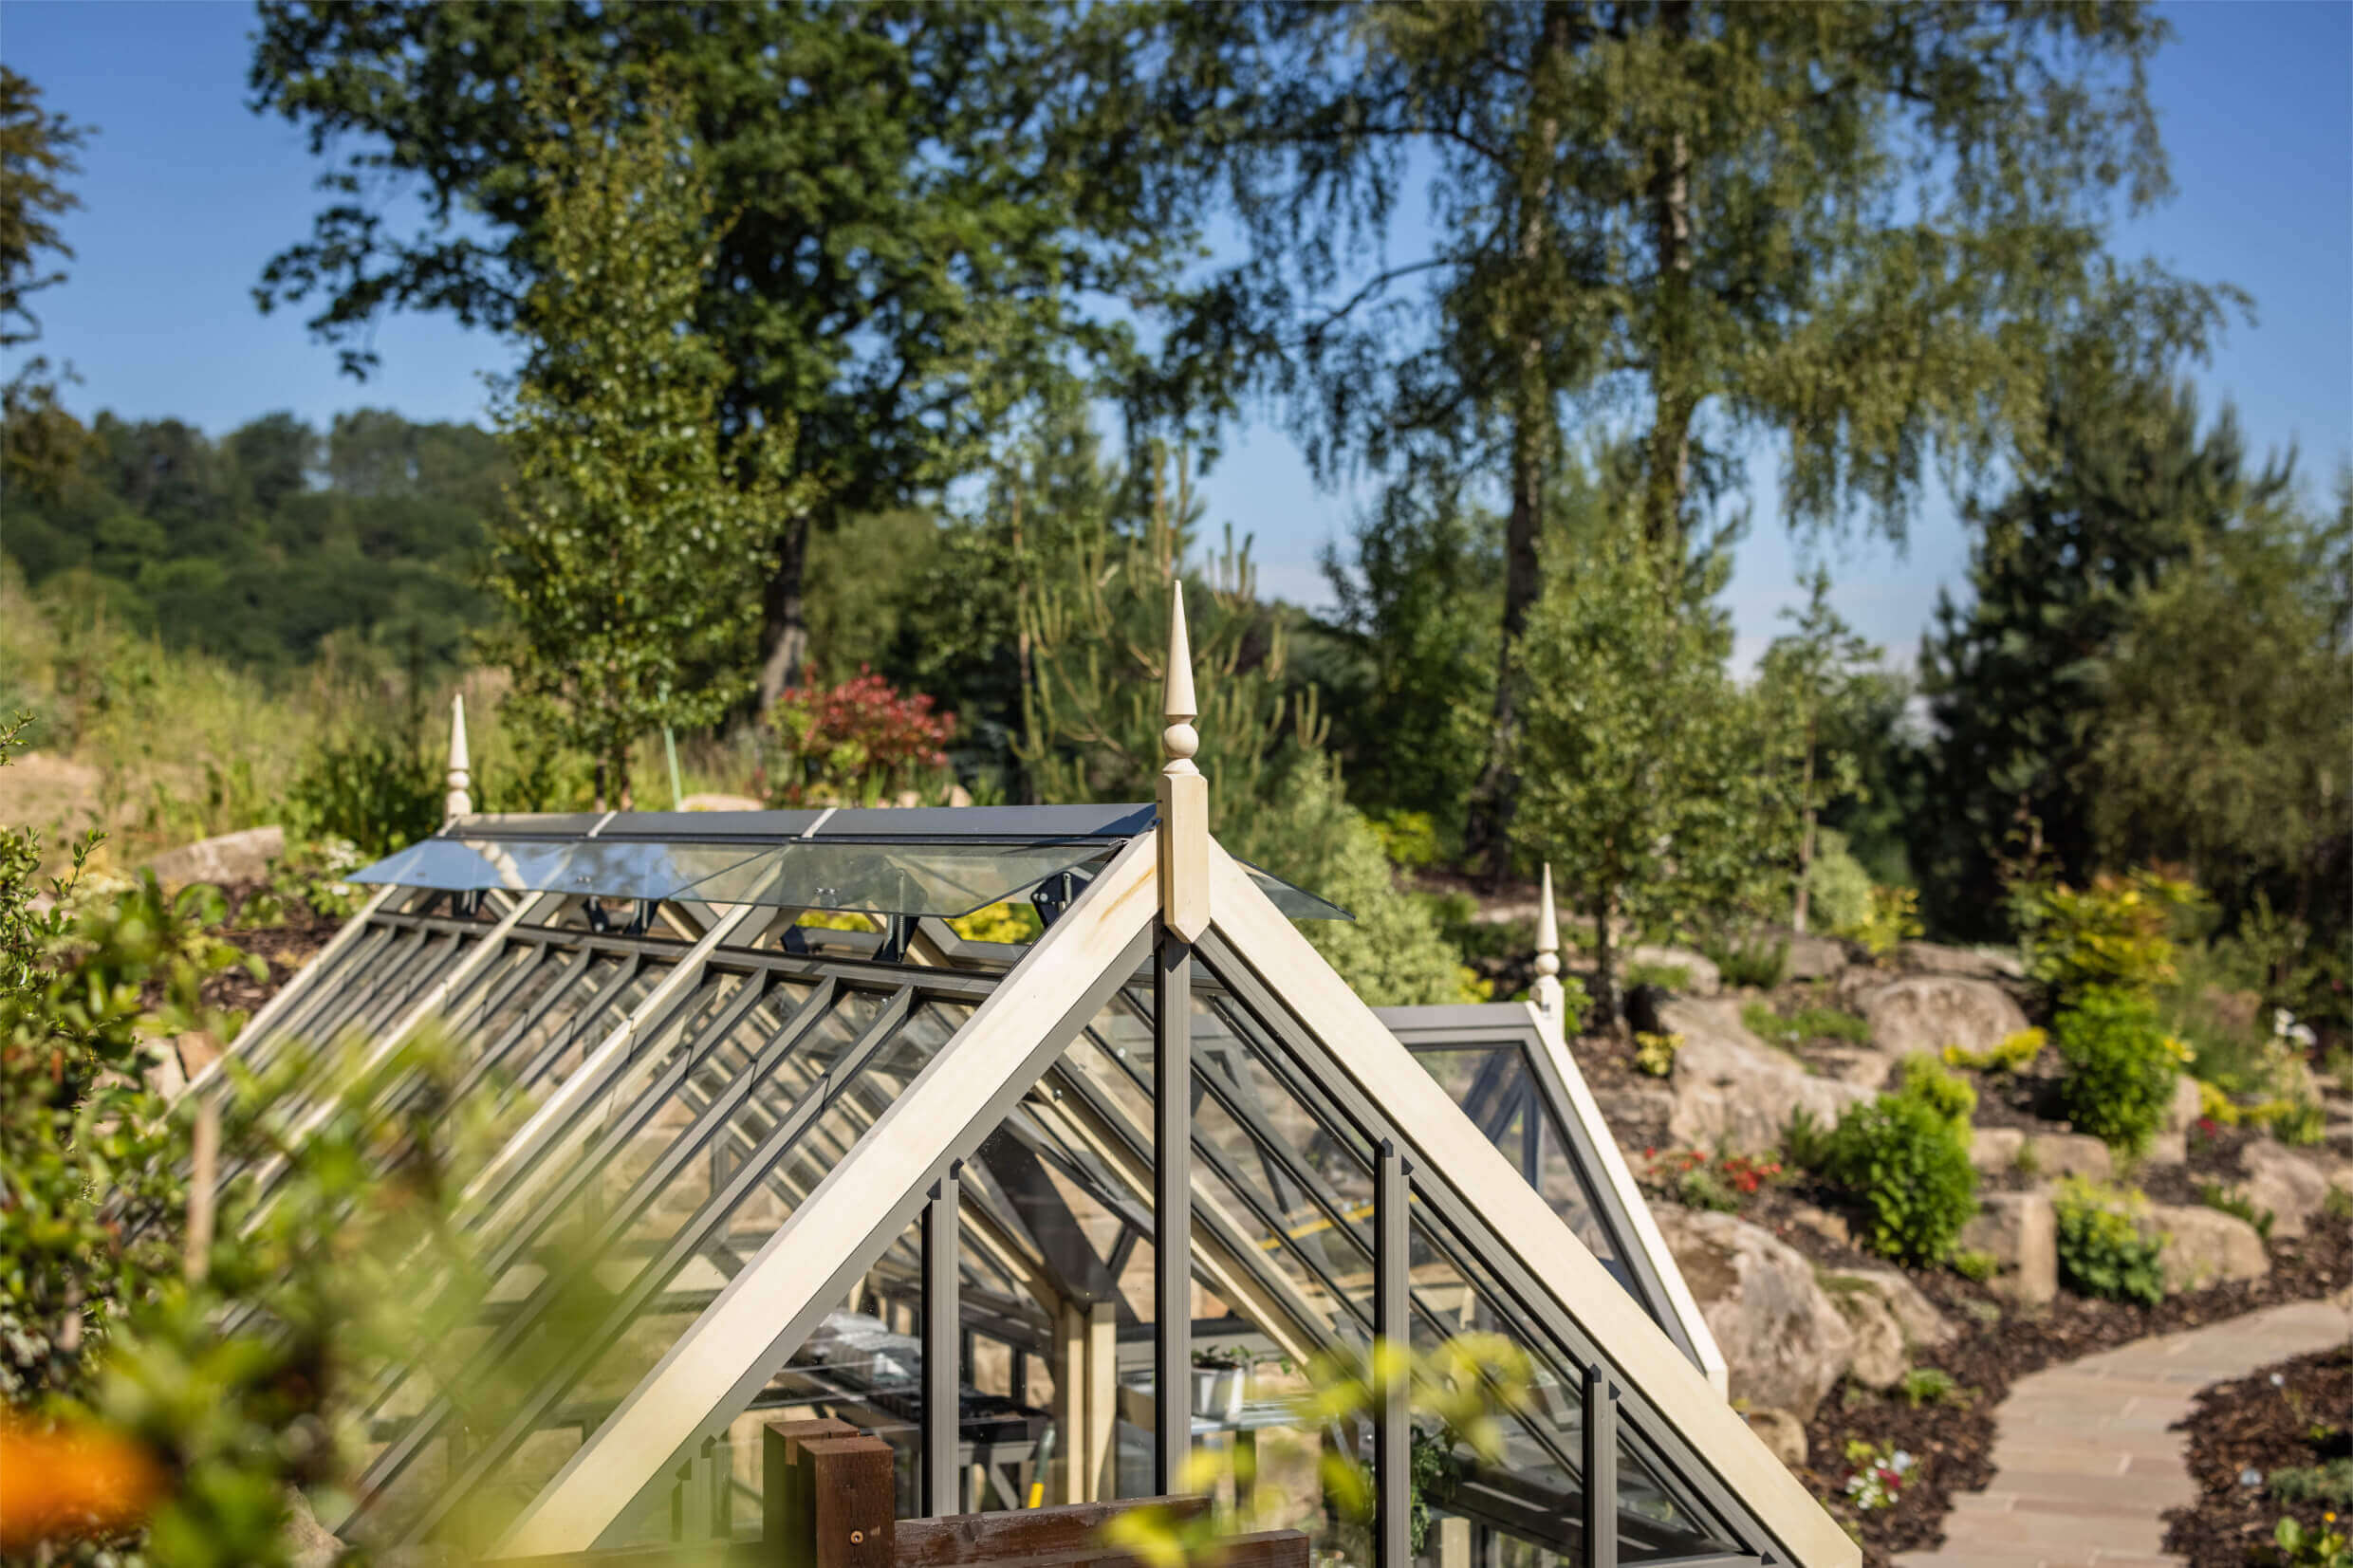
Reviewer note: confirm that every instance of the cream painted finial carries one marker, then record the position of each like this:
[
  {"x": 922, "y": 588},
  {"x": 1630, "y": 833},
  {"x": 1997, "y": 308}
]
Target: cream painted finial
[
  {"x": 1546, "y": 991},
  {"x": 1179, "y": 741},
  {"x": 459, "y": 803},
  {"x": 1183, "y": 792}
]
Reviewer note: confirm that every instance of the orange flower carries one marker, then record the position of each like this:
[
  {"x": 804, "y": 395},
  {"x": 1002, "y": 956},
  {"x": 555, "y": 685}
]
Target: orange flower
[{"x": 70, "y": 1481}]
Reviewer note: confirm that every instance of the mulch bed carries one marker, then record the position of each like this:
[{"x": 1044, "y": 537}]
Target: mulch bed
[
  {"x": 1997, "y": 1344},
  {"x": 2254, "y": 1423},
  {"x": 282, "y": 949}
]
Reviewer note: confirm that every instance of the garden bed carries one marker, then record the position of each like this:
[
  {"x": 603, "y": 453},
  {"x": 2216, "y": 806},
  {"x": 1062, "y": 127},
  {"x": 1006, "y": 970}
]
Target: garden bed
[
  {"x": 1952, "y": 1441},
  {"x": 2297, "y": 1416}
]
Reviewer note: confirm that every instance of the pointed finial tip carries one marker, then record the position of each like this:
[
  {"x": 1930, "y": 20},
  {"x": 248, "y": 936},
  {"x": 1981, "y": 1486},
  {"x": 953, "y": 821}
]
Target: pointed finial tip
[
  {"x": 459, "y": 801},
  {"x": 1547, "y": 929},
  {"x": 1179, "y": 741}
]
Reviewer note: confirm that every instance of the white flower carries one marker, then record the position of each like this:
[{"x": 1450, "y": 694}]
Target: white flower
[
  {"x": 2250, "y": 1477},
  {"x": 2279, "y": 1381},
  {"x": 2302, "y": 1034},
  {"x": 2280, "y": 1019}
]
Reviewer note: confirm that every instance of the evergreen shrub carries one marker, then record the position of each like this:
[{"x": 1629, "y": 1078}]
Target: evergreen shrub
[
  {"x": 2121, "y": 1066},
  {"x": 1905, "y": 1159}
]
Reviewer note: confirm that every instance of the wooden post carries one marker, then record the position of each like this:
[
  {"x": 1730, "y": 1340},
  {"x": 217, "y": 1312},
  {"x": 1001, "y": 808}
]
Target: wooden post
[
  {"x": 856, "y": 1503},
  {"x": 1102, "y": 1402},
  {"x": 1067, "y": 1482},
  {"x": 787, "y": 1486}
]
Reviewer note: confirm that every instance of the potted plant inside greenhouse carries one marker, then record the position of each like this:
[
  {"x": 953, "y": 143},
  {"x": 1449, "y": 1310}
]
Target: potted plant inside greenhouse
[{"x": 984, "y": 1202}]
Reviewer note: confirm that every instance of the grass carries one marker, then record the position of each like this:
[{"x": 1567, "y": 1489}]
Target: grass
[
  {"x": 157, "y": 746},
  {"x": 1808, "y": 1023}
]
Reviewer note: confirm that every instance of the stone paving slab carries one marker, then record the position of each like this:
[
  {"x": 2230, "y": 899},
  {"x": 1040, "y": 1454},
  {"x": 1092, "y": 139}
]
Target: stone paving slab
[{"x": 2083, "y": 1465}]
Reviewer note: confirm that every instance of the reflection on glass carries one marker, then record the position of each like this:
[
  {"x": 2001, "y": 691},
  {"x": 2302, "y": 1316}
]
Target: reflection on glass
[{"x": 949, "y": 879}]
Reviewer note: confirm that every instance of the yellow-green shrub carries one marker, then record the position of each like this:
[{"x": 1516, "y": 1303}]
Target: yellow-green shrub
[{"x": 2012, "y": 1053}]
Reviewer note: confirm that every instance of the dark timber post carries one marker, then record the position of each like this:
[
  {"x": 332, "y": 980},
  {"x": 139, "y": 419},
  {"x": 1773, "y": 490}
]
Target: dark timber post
[
  {"x": 943, "y": 1346},
  {"x": 1172, "y": 1209},
  {"x": 1393, "y": 1421}
]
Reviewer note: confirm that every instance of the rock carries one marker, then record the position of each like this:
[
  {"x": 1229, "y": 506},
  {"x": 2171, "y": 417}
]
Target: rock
[
  {"x": 2287, "y": 1184},
  {"x": 1879, "y": 1358},
  {"x": 1783, "y": 1342},
  {"x": 2182, "y": 1112},
  {"x": 1700, "y": 975},
  {"x": 1930, "y": 1011},
  {"x": 2204, "y": 1247},
  {"x": 307, "y": 1542},
  {"x": 197, "y": 1051},
  {"x": 1732, "y": 1089},
  {"x": 2166, "y": 1149},
  {"x": 232, "y": 857},
  {"x": 1634, "y": 1107},
  {"x": 722, "y": 803},
  {"x": 2058, "y": 1154},
  {"x": 1813, "y": 957},
  {"x": 1783, "y": 1434},
  {"x": 2022, "y": 1231},
  {"x": 1923, "y": 1325},
  {"x": 1856, "y": 1065},
  {"x": 1821, "y": 1222},
  {"x": 1994, "y": 1149},
  {"x": 1972, "y": 962}
]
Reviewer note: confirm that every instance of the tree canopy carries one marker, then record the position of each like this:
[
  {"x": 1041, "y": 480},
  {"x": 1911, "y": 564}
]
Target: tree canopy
[{"x": 929, "y": 207}]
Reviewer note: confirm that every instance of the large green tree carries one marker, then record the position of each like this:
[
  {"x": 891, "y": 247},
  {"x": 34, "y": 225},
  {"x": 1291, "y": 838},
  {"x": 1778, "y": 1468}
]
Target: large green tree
[
  {"x": 1854, "y": 230},
  {"x": 2225, "y": 736},
  {"x": 1655, "y": 786},
  {"x": 2130, "y": 488},
  {"x": 927, "y": 203},
  {"x": 39, "y": 440},
  {"x": 628, "y": 568}
]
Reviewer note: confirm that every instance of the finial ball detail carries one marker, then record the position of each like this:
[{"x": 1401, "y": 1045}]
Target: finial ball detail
[{"x": 1180, "y": 741}]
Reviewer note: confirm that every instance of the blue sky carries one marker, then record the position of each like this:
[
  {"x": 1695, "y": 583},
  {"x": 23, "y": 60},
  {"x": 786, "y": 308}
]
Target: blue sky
[{"x": 188, "y": 194}]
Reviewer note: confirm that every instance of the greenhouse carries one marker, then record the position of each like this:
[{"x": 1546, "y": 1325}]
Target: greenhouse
[{"x": 992, "y": 1200}]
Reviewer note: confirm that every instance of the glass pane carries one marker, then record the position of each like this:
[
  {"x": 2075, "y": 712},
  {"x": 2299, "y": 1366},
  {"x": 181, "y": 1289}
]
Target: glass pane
[
  {"x": 615, "y": 868},
  {"x": 949, "y": 879},
  {"x": 1296, "y": 903},
  {"x": 1498, "y": 1092}
]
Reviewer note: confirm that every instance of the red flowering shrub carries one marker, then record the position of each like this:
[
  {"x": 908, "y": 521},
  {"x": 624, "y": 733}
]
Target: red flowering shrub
[
  {"x": 1697, "y": 1181},
  {"x": 847, "y": 744}
]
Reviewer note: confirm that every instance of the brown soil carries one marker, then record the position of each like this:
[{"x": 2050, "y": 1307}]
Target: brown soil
[
  {"x": 2295, "y": 1413},
  {"x": 1998, "y": 1344},
  {"x": 282, "y": 949}
]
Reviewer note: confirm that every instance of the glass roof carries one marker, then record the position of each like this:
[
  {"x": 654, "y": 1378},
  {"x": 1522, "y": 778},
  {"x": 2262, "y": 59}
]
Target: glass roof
[{"x": 944, "y": 861}]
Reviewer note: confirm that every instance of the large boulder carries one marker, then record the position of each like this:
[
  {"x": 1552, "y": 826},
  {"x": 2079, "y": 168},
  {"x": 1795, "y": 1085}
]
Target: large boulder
[
  {"x": 1785, "y": 1343},
  {"x": 1813, "y": 957},
  {"x": 2291, "y": 1186},
  {"x": 1700, "y": 975},
  {"x": 1783, "y": 1434},
  {"x": 1928, "y": 1012},
  {"x": 1973, "y": 963},
  {"x": 2020, "y": 1231},
  {"x": 231, "y": 857},
  {"x": 1732, "y": 1089},
  {"x": 2204, "y": 1247},
  {"x": 1916, "y": 1318},
  {"x": 1879, "y": 1358}
]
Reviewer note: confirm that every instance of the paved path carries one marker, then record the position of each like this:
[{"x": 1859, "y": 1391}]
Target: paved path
[{"x": 2085, "y": 1468}]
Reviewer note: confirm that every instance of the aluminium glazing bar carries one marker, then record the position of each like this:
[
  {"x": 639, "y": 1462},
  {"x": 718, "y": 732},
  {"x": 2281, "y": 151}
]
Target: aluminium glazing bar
[
  {"x": 548, "y": 1124},
  {"x": 1600, "y": 1500},
  {"x": 1392, "y": 1419},
  {"x": 1172, "y": 1210},
  {"x": 582, "y": 1355},
  {"x": 943, "y": 1343}
]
